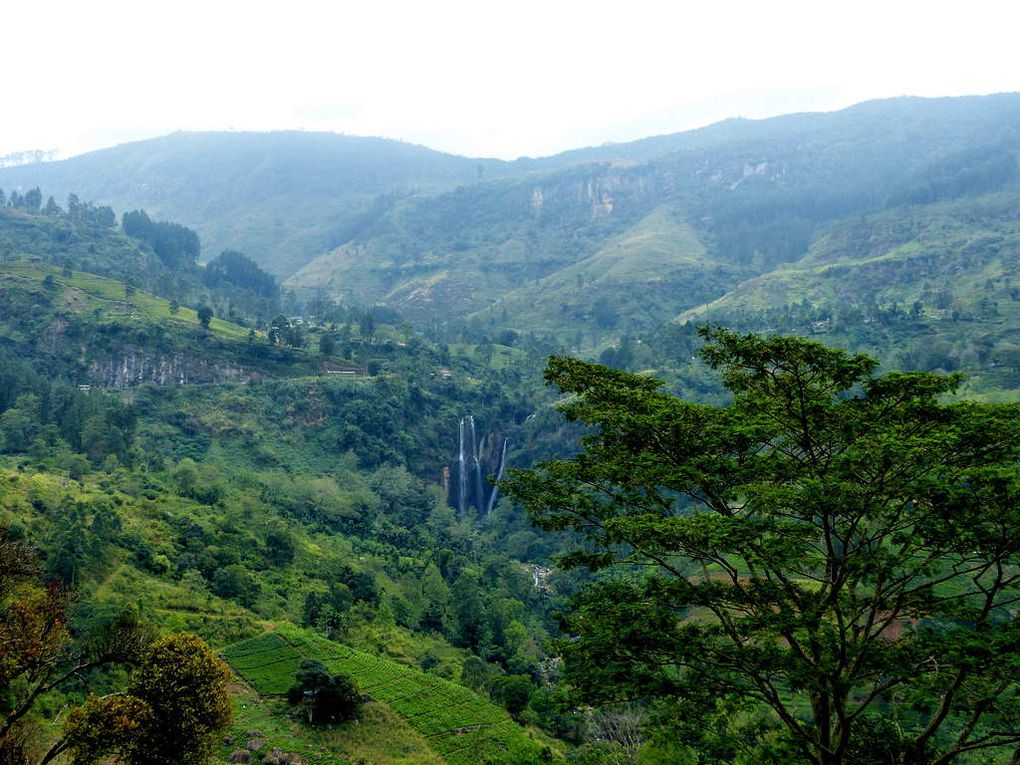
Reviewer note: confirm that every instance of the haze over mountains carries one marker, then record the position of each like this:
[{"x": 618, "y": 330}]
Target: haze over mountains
[{"x": 614, "y": 238}]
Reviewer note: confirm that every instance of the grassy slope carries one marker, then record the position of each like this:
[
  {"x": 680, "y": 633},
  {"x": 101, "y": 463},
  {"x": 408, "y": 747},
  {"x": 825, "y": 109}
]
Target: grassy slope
[
  {"x": 88, "y": 246},
  {"x": 380, "y": 737},
  {"x": 889, "y": 257},
  {"x": 107, "y": 300},
  {"x": 399, "y": 728},
  {"x": 34, "y": 500},
  {"x": 460, "y": 726},
  {"x": 644, "y": 273},
  {"x": 969, "y": 250},
  {"x": 91, "y": 329}
]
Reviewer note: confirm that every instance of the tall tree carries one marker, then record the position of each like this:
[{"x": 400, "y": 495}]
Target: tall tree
[
  {"x": 205, "y": 315},
  {"x": 33, "y": 200},
  {"x": 833, "y": 546},
  {"x": 185, "y": 685}
]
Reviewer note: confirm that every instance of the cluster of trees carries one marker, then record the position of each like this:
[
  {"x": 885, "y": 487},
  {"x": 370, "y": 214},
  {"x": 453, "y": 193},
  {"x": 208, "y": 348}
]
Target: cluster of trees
[
  {"x": 931, "y": 333},
  {"x": 283, "y": 331},
  {"x": 237, "y": 269},
  {"x": 52, "y": 420},
  {"x": 232, "y": 284},
  {"x": 31, "y": 202},
  {"x": 326, "y": 697},
  {"x": 965, "y": 173},
  {"x": 176, "y": 245}
]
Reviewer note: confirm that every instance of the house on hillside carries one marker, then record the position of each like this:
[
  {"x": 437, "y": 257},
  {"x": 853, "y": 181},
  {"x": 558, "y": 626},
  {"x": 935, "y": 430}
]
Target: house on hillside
[{"x": 343, "y": 369}]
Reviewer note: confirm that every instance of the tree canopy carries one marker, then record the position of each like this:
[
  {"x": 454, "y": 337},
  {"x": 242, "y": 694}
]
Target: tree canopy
[
  {"x": 176, "y": 245},
  {"x": 327, "y": 697},
  {"x": 830, "y": 557},
  {"x": 235, "y": 268}
]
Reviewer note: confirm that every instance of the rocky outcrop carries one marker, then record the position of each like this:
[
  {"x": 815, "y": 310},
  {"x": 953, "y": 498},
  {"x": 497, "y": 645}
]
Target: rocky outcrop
[{"x": 132, "y": 367}]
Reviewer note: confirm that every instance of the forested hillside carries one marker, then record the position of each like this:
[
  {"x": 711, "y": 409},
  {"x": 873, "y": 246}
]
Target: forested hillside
[
  {"x": 932, "y": 287},
  {"x": 237, "y": 485},
  {"x": 620, "y": 244},
  {"x": 281, "y": 197}
]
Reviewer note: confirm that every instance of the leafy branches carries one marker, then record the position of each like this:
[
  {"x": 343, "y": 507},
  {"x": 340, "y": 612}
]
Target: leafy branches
[{"x": 831, "y": 543}]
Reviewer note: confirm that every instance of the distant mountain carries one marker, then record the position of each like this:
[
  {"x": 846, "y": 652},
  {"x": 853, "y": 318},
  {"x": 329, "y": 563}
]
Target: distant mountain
[
  {"x": 911, "y": 119},
  {"x": 603, "y": 240},
  {"x": 281, "y": 197},
  {"x": 624, "y": 237}
]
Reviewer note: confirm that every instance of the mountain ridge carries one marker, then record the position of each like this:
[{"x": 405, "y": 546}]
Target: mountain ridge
[
  {"x": 562, "y": 244},
  {"x": 285, "y": 197}
]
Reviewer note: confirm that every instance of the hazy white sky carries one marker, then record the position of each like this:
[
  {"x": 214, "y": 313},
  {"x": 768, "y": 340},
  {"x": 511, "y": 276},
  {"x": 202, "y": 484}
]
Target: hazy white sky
[{"x": 482, "y": 78}]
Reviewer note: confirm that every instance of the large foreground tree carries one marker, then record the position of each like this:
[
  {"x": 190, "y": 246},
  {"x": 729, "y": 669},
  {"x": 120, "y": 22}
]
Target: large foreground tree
[{"x": 822, "y": 571}]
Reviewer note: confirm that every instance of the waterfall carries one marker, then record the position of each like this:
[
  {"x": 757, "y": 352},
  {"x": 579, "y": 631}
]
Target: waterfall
[
  {"x": 476, "y": 467},
  {"x": 470, "y": 485},
  {"x": 499, "y": 476},
  {"x": 462, "y": 484}
]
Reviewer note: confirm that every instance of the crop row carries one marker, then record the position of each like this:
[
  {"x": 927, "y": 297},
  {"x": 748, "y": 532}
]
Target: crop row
[{"x": 255, "y": 646}]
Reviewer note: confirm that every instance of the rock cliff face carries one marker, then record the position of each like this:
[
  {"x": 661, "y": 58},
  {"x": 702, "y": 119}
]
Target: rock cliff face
[
  {"x": 458, "y": 253},
  {"x": 133, "y": 366}
]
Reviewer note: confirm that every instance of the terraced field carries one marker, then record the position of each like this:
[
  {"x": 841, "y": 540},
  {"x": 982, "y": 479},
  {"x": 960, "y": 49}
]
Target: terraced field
[{"x": 459, "y": 725}]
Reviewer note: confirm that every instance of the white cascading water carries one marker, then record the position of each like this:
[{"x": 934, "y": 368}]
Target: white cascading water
[
  {"x": 470, "y": 473},
  {"x": 462, "y": 483},
  {"x": 476, "y": 466},
  {"x": 499, "y": 476}
]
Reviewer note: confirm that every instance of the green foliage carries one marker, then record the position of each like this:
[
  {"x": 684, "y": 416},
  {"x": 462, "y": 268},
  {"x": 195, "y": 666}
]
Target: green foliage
[
  {"x": 830, "y": 543},
  {"x": 105, "y": 727},
  {"x": 293, "y": 499},
  {"x": 43, "y": 652},
  {"x": 237, "y": 269},
  {"x": 85, "y": 330},
  {"x": 327, "y": 697},
  {"x": 926, "y": 291},
  {"x": 185, "y": 685},
  {"x": 176, "y": 245},
  {"x": 513, "y": 692},
  {"x": 205, "y": 315},
  {"x": 235, "y": 583}
]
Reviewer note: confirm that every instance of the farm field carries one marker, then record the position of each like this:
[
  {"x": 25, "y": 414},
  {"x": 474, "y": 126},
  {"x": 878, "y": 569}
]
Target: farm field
[{"x": 459, "y": 725}]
